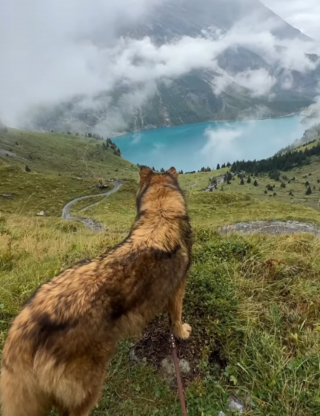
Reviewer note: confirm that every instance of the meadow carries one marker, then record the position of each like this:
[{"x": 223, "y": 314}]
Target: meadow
[{"x": 253, "y": 301}]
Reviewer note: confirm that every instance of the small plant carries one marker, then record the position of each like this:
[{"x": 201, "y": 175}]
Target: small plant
[
  {"x": 27, "y": 169},
  {"x": 275, "y": 175},
  {"x": 283, "y": 185}
]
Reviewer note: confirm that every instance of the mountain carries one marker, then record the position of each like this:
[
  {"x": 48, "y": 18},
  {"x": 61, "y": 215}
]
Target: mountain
[
  {"x": 172, "y": 19},
  {"x": 193, "y": 96}
]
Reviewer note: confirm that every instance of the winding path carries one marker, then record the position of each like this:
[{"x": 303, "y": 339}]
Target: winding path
[{"x": 89, "y": 222}]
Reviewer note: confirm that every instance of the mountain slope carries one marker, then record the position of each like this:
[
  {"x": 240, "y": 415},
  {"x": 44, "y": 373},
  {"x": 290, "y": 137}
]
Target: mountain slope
[
  {"x": 172, "y": 19},
  {"x": 60, "y": 167},
  {"x": 225, "y": 91}
]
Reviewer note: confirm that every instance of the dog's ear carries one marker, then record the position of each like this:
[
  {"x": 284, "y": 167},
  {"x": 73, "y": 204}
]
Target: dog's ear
[
  {"x": 172, "y": 171},
  {"x": 145, "y": 174}
]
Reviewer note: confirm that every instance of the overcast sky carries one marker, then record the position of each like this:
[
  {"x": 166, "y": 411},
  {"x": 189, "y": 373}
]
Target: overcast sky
[
  {"x": 302, "y": 14},
  {"x": 51, "y": 52}
]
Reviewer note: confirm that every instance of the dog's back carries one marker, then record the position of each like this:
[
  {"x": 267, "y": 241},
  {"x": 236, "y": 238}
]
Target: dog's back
[{"x": 59, "y": 345}]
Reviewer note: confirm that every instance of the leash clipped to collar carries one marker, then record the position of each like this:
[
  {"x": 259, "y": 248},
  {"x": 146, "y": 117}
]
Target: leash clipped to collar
[{"x": 178, "y": 375}]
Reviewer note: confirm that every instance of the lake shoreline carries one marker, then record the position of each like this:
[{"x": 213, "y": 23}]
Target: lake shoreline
[
  {"x": 150, "y": 128},
  {"x": 190, "y": 147}
]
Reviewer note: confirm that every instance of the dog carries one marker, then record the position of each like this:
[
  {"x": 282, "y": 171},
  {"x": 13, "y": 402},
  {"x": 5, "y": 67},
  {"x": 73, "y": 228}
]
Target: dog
[{"x": 58, "y": 347}]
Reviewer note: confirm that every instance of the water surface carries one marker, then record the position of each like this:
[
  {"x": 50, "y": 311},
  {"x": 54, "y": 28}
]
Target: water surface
[{"x": 189, "y": 147}]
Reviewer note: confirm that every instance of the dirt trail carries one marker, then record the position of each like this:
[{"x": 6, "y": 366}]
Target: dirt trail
[
  {"x": 271, "y": 227},
  {"x": 89, "y": 222}
]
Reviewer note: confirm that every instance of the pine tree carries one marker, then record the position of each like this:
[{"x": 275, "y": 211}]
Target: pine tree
[
  {"x": 218, "y": 166},
  {"x": 27, "y": 169},
  {"x": 249, "y": 179},
  {"x": 283, "y": 185},
  {"x": 255, "y": 183},
  {"x": 242, "y": 181},
  {"x": 309, "y": 191}
]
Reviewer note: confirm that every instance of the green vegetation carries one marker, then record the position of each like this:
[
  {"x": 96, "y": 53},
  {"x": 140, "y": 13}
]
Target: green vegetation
[
  {"x": 280, "y": 162},
  {"x": 60, "y": 168},
  {"x": 253, "y": 301}
]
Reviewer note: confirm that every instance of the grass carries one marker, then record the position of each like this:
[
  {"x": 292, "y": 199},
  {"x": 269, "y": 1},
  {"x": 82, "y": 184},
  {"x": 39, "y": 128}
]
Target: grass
[
  {"x": 253, "y": 301},
  {"x": 309, "y": 173},
  {"x": 62, "y": 167}
]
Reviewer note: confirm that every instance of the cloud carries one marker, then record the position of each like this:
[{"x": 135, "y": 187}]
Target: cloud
[
  {"x": 52, "y": 52},
  {"x": 303, "y": 14},
  {"x": 259, "y": 82},
  {"x": 220, "y": 145}
]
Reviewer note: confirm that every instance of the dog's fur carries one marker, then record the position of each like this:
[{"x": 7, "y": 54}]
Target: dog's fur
[{"x": 59, "y": 345}]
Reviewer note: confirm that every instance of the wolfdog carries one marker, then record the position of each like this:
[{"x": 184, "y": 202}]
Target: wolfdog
[{"x": 58, "y": 347}]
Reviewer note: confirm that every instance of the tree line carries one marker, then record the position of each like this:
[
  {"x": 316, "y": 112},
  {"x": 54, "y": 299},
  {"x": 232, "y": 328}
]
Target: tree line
[{"x": 277, "y": 163}]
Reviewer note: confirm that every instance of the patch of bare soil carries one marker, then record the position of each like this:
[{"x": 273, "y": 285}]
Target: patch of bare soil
[{"x": 154, "y": 346}]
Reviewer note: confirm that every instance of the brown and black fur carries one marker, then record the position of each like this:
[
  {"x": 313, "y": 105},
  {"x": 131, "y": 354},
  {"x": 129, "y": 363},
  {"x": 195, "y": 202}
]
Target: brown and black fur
[{"x": 59, "y": 345}]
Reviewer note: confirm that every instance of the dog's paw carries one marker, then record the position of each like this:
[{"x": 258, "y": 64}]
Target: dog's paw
[{"x": 185, "y": 331}]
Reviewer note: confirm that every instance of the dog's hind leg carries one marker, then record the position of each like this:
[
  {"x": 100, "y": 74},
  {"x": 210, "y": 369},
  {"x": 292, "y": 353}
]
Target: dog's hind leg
[
  {"x": 174, "y": 308},
  {"x": 88, "y": 404},
  {"x": 20, "y": 396}
]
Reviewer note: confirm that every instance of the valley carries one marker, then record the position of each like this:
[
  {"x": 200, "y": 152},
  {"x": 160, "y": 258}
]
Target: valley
[{"x": 253, "y": 300}]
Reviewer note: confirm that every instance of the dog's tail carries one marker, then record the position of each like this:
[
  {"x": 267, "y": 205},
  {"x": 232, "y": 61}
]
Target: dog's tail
[{"x": 20, "y": 395}]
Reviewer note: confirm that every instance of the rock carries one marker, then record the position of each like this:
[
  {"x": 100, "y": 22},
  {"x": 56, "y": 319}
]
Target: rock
[
  {"x": 6, "y": 196},
  {"x": 221, "y": 414},
  {"x": 235, "y": 404},
  {"x": 168, "y": 369},
  {"x": 184, "y": 366},
  {"x": 133, "y": 357},
  {"x": 167, "y": 366},
  {"x": 248, "y": 400},
  {"x": 41, "y": 214}
]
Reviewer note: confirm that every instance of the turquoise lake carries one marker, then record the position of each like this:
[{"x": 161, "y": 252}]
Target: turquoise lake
[{"x": 189, "y": 147}]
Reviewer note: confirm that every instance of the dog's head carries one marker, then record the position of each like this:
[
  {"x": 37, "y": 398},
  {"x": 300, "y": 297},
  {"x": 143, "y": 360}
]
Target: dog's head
[{"x": 159, "y": 190}]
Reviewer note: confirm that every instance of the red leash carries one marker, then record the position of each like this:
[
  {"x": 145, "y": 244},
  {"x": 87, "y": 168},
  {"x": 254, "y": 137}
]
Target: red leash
[{"x": 179, "y": 381}]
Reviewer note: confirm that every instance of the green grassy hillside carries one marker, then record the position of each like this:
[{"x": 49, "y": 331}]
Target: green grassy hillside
[
  {"x": 62, "y": 167},
  {"x": 253, "y": 301},
  {"x": 296, "y": 182}
]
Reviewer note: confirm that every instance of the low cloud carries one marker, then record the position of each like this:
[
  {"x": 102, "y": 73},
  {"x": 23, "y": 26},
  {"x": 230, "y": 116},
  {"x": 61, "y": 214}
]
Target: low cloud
[
  {"x": 54, "y": 51},
  {"x": 220, "y": 146},
  {"x": 259, "y": 82},
  {"x": 239, "y": 141}
]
